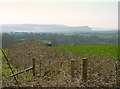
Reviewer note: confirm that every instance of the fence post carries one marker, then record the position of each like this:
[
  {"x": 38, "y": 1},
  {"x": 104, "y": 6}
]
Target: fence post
[
  {"x": 84, "y": 69},
  {"x": 33, "y": 67},
  {"x": 49, "y": 63},
  {"x": 40, "y": 67},
  {"x": 72, "y": 68},
  {"x": 61, "y": 64}
]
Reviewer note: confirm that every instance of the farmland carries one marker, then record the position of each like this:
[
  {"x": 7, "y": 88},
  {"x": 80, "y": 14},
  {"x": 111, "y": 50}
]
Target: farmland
[
  {"x": 106, "y": 50},
  {"x": 55, "y": 61}
]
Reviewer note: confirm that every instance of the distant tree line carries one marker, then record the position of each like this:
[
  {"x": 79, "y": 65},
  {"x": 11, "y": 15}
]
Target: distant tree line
[{"x": 56, "y": 39}]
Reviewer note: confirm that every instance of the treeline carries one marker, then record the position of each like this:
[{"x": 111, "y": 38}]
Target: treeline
[{"x": 56, "y": 39}]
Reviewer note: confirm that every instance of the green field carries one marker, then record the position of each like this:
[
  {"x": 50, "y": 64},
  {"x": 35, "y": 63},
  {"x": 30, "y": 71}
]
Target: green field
[{"x": 106, "y": 50}]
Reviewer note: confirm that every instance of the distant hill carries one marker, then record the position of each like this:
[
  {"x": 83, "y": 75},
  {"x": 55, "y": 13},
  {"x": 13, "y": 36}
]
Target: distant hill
[
  {"x": 42, "y": 28},
  {"x": 102, "y": 29}
]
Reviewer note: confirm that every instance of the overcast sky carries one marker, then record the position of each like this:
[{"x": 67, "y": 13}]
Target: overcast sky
[{"x": 95, "y": 13}]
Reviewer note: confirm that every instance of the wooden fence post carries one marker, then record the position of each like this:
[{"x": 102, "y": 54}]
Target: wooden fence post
[
  {"x": 61, "y": 64},
  {"x": 40, "y": 67},
  {"x": 72, "y": 68},
  {"x": 84, "y": 69},
  {"x": 33, "y": 67},
  {"x": 49, "y": 64}
]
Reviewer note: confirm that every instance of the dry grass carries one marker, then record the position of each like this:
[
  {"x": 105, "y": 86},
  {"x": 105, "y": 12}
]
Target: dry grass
[{"x": 55, "y": 67}]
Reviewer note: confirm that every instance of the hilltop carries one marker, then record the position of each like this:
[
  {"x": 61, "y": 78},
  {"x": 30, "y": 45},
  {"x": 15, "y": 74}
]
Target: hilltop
[{"x": 42, "y": 28}]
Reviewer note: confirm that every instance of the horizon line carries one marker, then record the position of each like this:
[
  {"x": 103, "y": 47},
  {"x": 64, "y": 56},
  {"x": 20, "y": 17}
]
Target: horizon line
[{"x": 62, "y": 25}]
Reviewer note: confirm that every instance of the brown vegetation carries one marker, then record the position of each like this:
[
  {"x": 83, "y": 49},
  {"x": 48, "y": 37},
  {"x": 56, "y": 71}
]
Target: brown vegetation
[{"x": 55, "y": 67}]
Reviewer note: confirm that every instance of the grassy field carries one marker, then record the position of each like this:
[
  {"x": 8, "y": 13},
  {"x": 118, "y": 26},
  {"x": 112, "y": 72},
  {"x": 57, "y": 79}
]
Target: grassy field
[
  {"x": 106, "y": 50},
  {"x": 55, "y": 70},
  {"x": 84, "y": 50}
]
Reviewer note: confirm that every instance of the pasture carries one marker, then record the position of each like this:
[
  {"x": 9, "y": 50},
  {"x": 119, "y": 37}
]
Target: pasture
[{"x": 106, "y": 50}]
